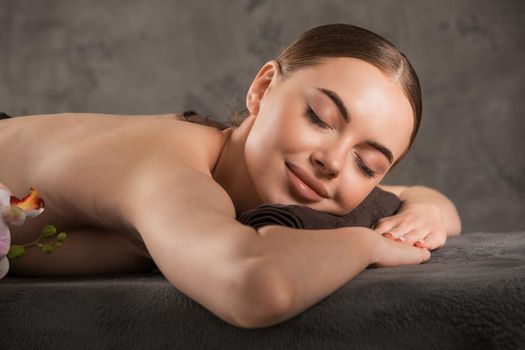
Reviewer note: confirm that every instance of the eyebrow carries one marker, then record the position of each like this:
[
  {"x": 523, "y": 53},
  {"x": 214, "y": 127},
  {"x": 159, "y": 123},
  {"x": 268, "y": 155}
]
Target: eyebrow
[
  {"x": 338, "y": 102},
  {"x": 343, "y": 112}
]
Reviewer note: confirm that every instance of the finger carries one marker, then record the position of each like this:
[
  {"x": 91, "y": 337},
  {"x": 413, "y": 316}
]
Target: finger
[
  {"x": 412, "y": 236},
  {"x": 393, "y": 237},
  {"x": 428, "y": 242},
  {"x": 403, "y": 254},
  {"x": 425, "y": 244},
  {"x": 423, "y": 253},
  {"x": 426, "y": 254},
  {"x": 383, "y": 226},
  {"x": 389, "y": 236},
  {"x": 433, "y": 240},
  {"x": 399, "y": 231},
  {"x": 395, "y": 232}
]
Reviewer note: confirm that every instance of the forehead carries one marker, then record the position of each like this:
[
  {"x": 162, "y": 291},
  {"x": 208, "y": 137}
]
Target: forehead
[{"x": 376, "y": 102}]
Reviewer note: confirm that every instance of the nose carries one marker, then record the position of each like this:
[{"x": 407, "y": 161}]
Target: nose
[{"x": 331, "y": 161}]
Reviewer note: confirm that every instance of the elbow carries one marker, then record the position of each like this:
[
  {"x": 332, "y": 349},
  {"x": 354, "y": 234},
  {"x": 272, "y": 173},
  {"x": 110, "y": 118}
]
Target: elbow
[
  {"x": 458, "y": 227},
  {"x": 265, "y": 297},
  {"x": 454, "y": 225},
  {"x": 453, "y": 234},
  {"x": 458, "y": 232}
]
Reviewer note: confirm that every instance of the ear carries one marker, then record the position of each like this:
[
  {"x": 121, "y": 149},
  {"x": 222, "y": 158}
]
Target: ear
[{"x": 260, "y": 85}]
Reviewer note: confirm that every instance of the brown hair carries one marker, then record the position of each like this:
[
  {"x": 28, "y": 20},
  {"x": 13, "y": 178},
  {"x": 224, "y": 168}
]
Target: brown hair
[{"x": 345, "y": 40}]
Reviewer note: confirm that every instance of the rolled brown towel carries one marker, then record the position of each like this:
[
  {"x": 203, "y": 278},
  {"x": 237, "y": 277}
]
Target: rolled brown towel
[{"x": 378, "y": 204}]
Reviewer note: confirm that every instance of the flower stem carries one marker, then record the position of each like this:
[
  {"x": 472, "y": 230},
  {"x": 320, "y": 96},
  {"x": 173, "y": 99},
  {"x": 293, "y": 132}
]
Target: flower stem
[{"x": 34, "y": 242}]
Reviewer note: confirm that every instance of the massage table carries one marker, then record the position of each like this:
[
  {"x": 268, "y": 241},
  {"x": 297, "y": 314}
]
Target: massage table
[{"x": 469, "y": 295}]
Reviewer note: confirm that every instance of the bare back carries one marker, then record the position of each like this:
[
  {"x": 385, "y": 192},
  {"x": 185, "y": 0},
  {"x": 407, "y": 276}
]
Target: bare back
[{"x": 81, "y": 165}]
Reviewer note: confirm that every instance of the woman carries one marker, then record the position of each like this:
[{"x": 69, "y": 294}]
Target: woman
[{"x": 340, "y": 106}]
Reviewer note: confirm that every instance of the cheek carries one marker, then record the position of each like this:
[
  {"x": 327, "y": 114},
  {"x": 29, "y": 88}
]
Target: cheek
[
  {"x": 285, "y": 133},
  {"x": 286, "y": 127},
  {"x": 353, "y": 189}
]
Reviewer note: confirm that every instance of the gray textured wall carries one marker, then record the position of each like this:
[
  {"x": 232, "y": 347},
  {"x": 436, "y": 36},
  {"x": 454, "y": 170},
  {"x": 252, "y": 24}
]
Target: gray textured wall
[{"x": 116, "y": 56}]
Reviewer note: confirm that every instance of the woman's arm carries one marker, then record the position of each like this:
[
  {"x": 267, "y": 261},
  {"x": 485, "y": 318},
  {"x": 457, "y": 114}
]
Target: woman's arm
[{"x": 315, "y": 263}]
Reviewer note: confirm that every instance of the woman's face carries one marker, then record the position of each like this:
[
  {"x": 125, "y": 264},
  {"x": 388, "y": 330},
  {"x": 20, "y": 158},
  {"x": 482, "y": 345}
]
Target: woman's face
[{"x": 340, "y": 155}]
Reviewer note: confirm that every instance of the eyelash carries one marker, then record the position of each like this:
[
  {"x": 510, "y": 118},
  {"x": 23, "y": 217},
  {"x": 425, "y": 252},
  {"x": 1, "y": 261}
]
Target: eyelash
[
  {"x": 366, "y": 170},
  {"x": 317, "y": 121}
]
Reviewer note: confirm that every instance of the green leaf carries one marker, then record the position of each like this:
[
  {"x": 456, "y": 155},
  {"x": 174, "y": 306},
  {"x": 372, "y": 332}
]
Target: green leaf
[
  {"x": 16, "y": 251},
  {"x": 57, "y": 244},
  {"x": 61, "y": 237},
  {"x": 49, "y": 230}
]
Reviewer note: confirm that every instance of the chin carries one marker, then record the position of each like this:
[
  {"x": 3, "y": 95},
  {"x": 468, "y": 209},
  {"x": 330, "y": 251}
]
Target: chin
[
  {"x": 275, "y": 197},
  {"x": 268, "y": 184},
  {"x": 273, "y": 191}
]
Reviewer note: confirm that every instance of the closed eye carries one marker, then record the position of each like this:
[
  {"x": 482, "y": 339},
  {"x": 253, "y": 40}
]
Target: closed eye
[
  {"x": 315, "y": 119},
  {"x": 364, "y": 168}
]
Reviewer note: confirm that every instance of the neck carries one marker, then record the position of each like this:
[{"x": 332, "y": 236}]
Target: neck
[{"x": 230, "y": 170}]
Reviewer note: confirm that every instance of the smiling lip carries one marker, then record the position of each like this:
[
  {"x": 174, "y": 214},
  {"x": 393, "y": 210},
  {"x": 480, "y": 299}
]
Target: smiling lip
[{"x": 307, "y": 186}]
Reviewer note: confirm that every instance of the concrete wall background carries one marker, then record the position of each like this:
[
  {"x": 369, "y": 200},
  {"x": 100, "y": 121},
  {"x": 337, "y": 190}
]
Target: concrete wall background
[{"x": 134, "y": 57}]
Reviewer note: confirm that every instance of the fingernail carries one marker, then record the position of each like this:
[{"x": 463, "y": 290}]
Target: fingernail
[
  {"x": 419, "y": 244},
  {"x": 388, "y": 235}
]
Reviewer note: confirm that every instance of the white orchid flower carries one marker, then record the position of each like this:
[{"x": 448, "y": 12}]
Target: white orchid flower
[{"x": 14, "y": 211}]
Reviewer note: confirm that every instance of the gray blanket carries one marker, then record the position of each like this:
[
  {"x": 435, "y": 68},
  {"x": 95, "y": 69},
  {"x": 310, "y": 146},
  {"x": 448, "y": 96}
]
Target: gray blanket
[{"x": 469, "y": 295}]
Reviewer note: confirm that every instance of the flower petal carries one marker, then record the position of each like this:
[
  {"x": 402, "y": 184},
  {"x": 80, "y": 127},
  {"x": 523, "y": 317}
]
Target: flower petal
[
  {"x": 4, "y": 197},
  {"x": 33, "y": 213},
  {"x": 4, "y": 267},
  {"x": 13, "y": 214},
  {"x": 5, "y": 239},
  {"x": 30, "y": 202}
]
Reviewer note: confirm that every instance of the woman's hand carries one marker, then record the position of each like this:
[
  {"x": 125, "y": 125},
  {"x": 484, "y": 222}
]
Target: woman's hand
[
  {"x": 389, "y": 253},
  {"x": 416, "y": 223}
]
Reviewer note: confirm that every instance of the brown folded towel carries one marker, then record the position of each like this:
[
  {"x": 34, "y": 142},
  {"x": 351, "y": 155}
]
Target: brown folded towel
[{"x": 378, "y": 204}]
